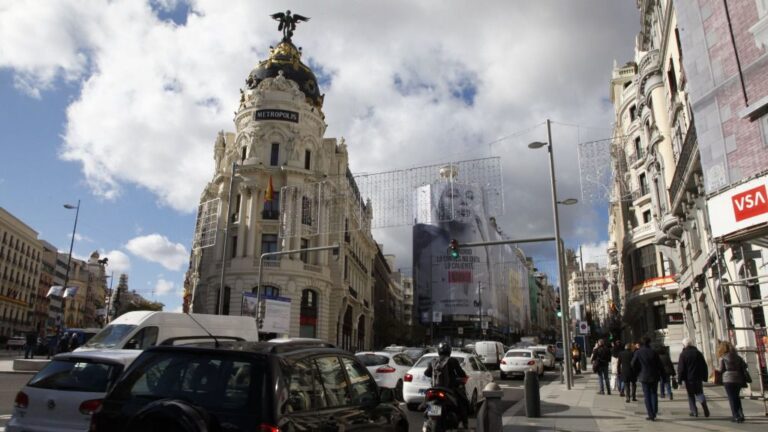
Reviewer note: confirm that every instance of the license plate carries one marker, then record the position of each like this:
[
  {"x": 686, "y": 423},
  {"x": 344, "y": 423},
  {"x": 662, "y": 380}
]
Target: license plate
[{"x": 434, "y": 410}]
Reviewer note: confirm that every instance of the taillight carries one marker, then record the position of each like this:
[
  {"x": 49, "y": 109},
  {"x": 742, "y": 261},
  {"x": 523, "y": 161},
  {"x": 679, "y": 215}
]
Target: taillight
[
  {"x": 264, "y": 427},
  {"x": 435, "y": 394},
  {"x": 385, "y": 369},
  {"x": 21, "y": 401},
  {"x": 90, "y": 406},
  {"x": 408, "y": 378},
  {"x": 531, "y": 362},
  {"x": 503, "y": 362}
]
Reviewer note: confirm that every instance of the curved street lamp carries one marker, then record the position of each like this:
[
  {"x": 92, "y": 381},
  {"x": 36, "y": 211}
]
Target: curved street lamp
[{"x": 69, "y": 259}]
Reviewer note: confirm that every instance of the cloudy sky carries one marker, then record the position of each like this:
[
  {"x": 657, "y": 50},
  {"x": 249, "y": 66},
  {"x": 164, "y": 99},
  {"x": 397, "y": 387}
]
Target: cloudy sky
[{"x": 118, "y": 104}]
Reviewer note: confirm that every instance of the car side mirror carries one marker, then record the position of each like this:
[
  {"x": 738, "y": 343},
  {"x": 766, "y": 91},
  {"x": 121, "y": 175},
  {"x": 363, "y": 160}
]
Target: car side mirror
[{"x": 386, "y": 395}]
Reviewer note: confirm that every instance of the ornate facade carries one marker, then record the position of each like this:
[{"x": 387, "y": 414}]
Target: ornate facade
[{"x": 278, "y": 148}]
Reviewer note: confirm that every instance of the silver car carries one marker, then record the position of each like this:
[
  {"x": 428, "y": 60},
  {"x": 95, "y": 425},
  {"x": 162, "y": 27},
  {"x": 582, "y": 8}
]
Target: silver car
[{"x": 67, "y": 391}]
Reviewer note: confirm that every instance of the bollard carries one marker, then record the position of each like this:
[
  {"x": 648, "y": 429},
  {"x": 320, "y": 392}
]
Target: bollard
[
  {"x": 532, "y": 398},
  {"x": 490, "y": 412}
]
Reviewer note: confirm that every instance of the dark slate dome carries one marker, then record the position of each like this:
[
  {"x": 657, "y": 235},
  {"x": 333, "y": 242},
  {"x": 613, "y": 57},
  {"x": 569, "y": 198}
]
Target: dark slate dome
[{"x": 287, "y": 58}]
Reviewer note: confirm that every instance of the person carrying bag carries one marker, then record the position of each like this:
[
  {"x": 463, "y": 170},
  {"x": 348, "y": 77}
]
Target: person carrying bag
[{"x": 735, "y": 375}]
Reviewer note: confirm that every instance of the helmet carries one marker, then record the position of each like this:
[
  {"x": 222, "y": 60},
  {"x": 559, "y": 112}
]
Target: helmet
[{"x": 444, "y": 349}]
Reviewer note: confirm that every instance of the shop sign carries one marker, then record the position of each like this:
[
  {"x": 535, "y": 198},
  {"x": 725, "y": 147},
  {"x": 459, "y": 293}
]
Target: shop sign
[{"x": 738, "y": 208}]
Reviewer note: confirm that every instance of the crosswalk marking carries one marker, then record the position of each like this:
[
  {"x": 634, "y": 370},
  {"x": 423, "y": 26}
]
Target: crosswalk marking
[{"x": 5, "y": 416}]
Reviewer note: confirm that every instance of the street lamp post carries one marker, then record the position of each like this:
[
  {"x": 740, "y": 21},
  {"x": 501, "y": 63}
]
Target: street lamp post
[
  {"x": 558, "y": 247},
  {"x": 69, "y": 259}
]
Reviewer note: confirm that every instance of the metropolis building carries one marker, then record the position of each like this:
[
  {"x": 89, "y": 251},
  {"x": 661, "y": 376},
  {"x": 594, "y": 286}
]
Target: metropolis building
[{"x": 278, "y": 148}]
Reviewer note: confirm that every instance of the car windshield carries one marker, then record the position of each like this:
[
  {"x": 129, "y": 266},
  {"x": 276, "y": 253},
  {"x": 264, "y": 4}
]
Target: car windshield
[
  {"x": 424, "y": 361},
  {"x": 518, "y": 354},
  {"x": 76, "y": 375},
  {"x": 214, "y": 381},
  {"x": 110, "y": 336},
  {"x": 414, "y": 353},
  {"x": 372, "y": 359}
]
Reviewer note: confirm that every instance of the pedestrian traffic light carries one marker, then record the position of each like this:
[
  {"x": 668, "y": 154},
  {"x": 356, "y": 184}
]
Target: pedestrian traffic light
[{"x": 453, "y": 249}]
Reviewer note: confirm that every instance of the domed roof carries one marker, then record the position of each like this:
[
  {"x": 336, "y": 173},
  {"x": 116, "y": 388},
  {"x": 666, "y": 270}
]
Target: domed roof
[{"x": 286, "y": 57}]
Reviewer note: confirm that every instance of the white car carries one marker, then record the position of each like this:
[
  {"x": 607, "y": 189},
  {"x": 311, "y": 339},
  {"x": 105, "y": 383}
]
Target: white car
[
  {"x": 67, "y": 391},
  {"x": 388, "y": 368},
  {"x": 416, "y": 384},
  {"x": 518, "y": 361},
  {"x": 545, "y": 354}
]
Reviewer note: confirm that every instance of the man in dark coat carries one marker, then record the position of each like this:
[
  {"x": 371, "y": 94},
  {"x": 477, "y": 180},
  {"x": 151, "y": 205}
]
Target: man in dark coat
[
  {"x": 601, "y": 360},
  {"x": 649, "y": 369},
  {"x": 626, "y": 373},
  {"x": 692, "y": 369}
]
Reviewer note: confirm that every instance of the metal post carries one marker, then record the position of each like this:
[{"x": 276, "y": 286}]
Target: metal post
[
  {"x": 69, "y": 261},
  {"x": 563, "y": 283},
  {"x": 109, "y": 297},
  {"x": 588, "y": 290},
  {"x": 220, "y": 308}
]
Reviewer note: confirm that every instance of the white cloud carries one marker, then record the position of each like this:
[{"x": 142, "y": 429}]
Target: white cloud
[
  {"x": 163, "y": 287},
  {"x": 118, "y": 261},
  {"x": 596, "y": 253},
  {"x": 155, "y": 93},
  {"x": 157, "y": 248},
  {"x": 178, "y": 309}
]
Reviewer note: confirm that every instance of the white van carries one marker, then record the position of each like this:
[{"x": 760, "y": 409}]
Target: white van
[
  {"x": 143, "y": 329},
  {"x": 490, "y": 352}
]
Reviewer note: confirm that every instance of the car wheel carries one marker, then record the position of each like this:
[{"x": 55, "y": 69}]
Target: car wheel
[
  {"x": 473, "y": 404},
  {"x": 171, "y": 414},
  {"x": 399, "y": 391},
  {"x": 502, "y": 375},
  {"x": 413, "y": 406}
]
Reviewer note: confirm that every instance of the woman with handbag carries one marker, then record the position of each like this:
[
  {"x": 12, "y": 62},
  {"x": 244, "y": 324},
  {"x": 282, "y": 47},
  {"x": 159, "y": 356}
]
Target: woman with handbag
[
  {"x": 735, "y": 375},
  {"x": 668, "y": 371}
]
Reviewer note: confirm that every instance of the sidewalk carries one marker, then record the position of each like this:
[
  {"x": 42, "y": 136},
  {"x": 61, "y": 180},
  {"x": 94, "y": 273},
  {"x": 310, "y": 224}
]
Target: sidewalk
[{"x": 582, "y": 409}]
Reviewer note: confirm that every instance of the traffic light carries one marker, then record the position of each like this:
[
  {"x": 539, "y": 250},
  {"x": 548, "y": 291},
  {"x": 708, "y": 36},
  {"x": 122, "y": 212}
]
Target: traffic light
[
  {"x": 453, "y": 249},
  {"x": 557, "y": 307}
]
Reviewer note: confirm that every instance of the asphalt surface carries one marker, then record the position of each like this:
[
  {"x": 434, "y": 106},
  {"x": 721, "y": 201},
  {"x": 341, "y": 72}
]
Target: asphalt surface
[
  {"x": 10, "y": 384},
  {"x": 513, "y": 392}
]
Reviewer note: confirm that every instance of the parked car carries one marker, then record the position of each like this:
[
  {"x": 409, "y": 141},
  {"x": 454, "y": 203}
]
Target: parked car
[
  {"x": 281, "y": 384},
  {"x": 518, "y": 361},
  {"x": 416, "y": 383},
  {"x": 388, "y": 369},
  {"x": 490, "y": 353},
  {"x": 394, "y": 348},
  {"x": 64, "y": 394},
  {"x": 545, "y": 354}
]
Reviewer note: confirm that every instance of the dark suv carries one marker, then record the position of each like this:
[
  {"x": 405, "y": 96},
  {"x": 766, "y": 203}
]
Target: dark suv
[{"x": 289, "y": 385}]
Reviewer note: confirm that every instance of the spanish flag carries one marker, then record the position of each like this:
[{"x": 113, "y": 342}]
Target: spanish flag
[{"x": 268, "y": 195}]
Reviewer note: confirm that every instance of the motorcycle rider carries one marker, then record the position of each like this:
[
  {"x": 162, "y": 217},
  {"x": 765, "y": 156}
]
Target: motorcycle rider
[{"x": 446, "y": 372}]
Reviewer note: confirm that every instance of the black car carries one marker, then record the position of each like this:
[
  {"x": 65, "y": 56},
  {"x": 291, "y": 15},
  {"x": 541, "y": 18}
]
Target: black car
[{"x": 297, "y": 385}]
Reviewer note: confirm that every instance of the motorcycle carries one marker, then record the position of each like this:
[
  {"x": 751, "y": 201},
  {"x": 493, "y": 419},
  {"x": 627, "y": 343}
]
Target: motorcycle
[{"x": 442, "y": 410}]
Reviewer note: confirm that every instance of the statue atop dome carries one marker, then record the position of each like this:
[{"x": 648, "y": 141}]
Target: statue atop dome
[{"x": 288, "y": 23}]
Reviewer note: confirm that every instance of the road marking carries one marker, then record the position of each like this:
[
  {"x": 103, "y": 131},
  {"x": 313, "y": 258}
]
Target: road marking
[{"x": 5, "y": 416}]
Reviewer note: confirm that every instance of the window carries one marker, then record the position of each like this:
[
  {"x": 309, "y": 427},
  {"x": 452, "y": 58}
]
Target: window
[
  {"x": 672, "y": 78},
  {"x": 645, "y": 263},
  {"x": 306, "y": 211},
  {"x": 269, "y": 244},
  {"x": 334, "y": 381},
  {"x": 764, "y": 125},
  {"x": 305, "y": 390},
  {"x": 225, "y": 306},
  {"x": 638, "y": 148},
  {"x": 242, "y": 154},
  {"x": 660, "y": 316},
  {"x": 272, "y": 207},
  {"x": 308, "y": 314},
  {"x": 643, "y": 184},
  {"x": 145, "y": 338},
  {"x": 683, "y": 256},
  {"x": 307, "y": 159},
  {"x": 76, "y": 376},
  {"x": 274, "y": 155},
  {"x": 363, "y": 388},
  {"x": 271, "y": 291},
  {"x": 632, "y": 113},
  {"x": 647, "y": 216},
  {"x": 236, "y": 214},
  {"x": 304, "y": 255},
  {"x": 234, "y": 246}
]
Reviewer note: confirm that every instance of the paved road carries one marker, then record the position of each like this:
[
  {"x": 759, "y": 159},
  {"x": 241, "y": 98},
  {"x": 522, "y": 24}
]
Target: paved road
[{"x": 513, "y": 392}]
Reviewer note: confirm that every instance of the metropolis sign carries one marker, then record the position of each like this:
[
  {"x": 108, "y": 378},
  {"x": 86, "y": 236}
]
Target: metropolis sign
[{"x": 276, "y": 114}]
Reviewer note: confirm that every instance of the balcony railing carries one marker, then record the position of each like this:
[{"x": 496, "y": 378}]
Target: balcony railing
[{"x": 686, "y": 155}]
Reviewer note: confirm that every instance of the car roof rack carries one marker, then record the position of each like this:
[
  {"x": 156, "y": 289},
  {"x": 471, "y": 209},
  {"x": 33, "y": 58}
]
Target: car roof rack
[
  {"x": 286, "y": 345},
  {"x": 170, "y": 341}
]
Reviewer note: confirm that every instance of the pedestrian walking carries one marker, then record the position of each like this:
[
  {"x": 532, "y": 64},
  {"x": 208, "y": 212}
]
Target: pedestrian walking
[
  {"x": 64, "y": 343},
  {"x": 735, "y": 375},
  {"x": 53, "y": 345},
  {"x": 576, "y": 358},
  {"x": 30, "y": 344},
  {"x": 627, "y": 373},
  {"x": 601, "y": 360},
  {"x": 649, "y": 369},
  {"x": 692, "y": 369},
  {"x": 667, "y": 372},
  {"x": 74, "y": 342},
  {"x": 618, "y": 383}
]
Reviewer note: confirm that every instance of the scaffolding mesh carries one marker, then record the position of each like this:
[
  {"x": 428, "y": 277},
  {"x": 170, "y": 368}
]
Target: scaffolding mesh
[{"x": 206, "y": 224}]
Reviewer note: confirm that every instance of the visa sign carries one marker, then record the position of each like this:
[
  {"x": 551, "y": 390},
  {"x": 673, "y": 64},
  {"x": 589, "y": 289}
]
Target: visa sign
[{"x": 750, "y": 203}]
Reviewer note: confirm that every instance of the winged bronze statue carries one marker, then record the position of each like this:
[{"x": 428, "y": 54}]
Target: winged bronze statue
[{"x": 288, "y": 23}]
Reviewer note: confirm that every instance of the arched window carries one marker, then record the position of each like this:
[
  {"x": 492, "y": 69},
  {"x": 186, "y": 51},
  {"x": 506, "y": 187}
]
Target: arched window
[
  {"x": 361, "y": 333},
  {"x": 346, "y": 330},
  {"x": 308, "y": 314},
  {"x": 268, "y": 291}
]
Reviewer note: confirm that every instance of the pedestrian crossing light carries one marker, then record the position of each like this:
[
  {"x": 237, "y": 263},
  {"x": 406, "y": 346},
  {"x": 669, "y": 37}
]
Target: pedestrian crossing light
[{"x": 453, "y": 249}]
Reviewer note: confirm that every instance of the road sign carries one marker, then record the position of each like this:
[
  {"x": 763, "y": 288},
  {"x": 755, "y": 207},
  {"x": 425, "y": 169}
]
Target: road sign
[
  {"x": 437, "y": 317},
  {"x": 583, "y": 327},
  {"x": 484, "y": 325},
  {"x": 460, "y": 330}
]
